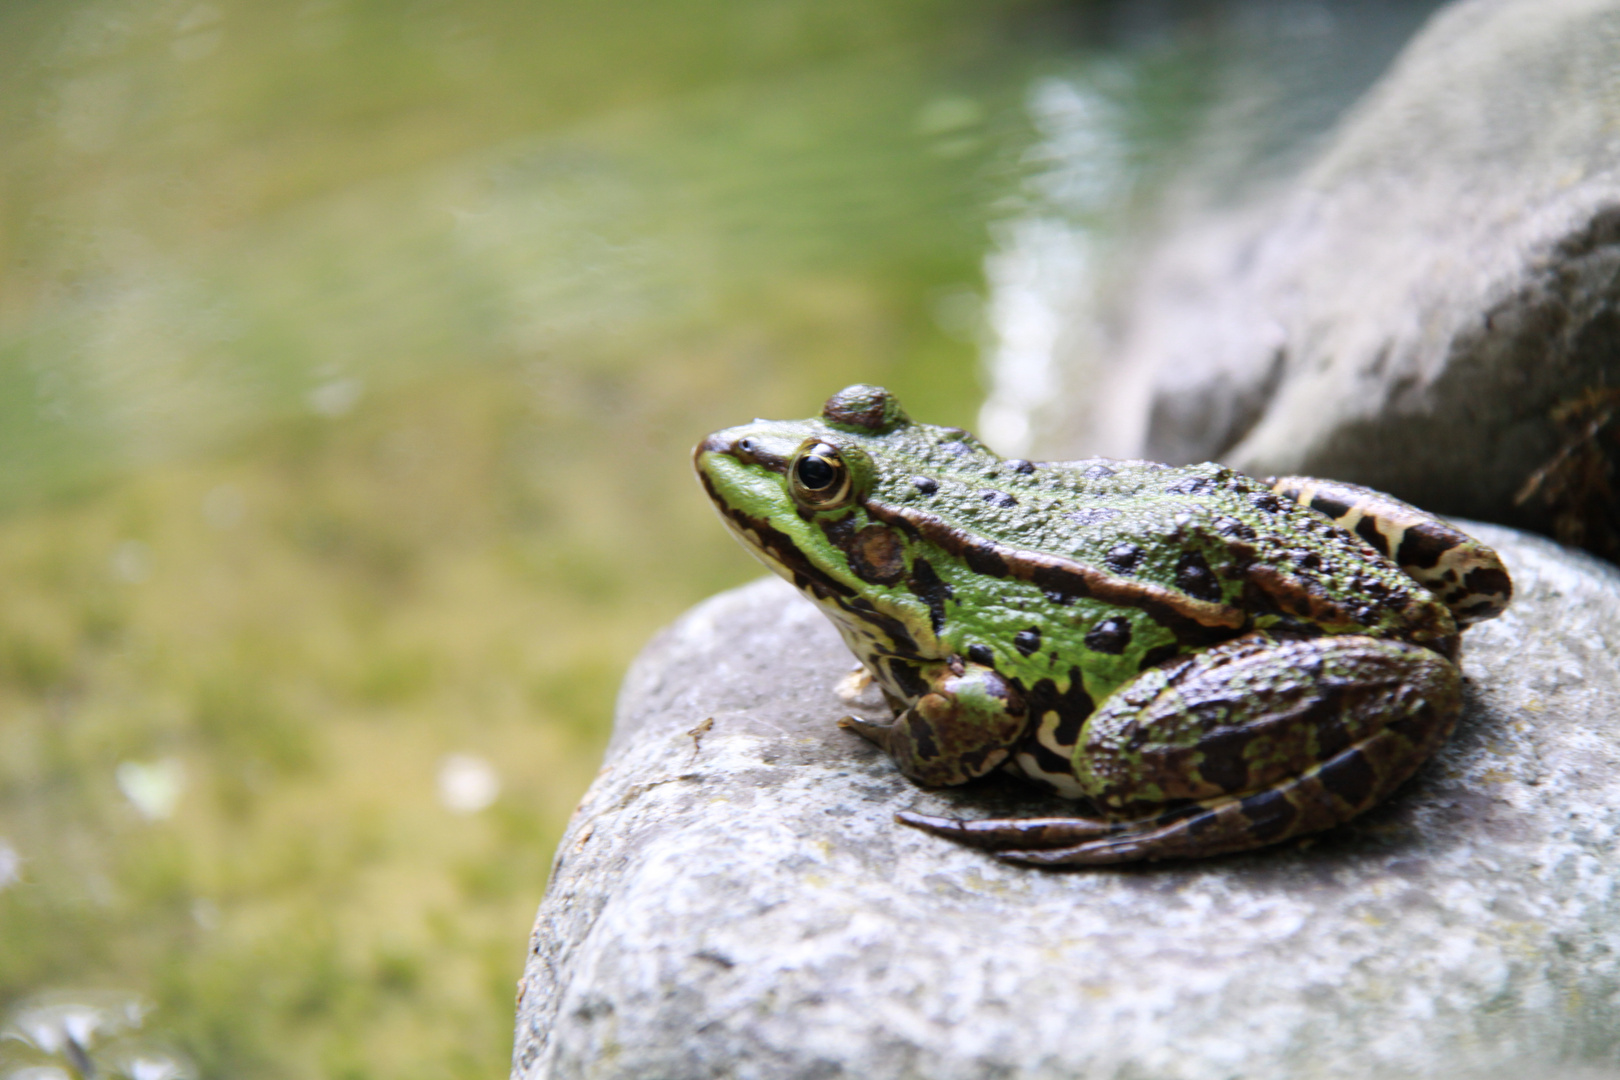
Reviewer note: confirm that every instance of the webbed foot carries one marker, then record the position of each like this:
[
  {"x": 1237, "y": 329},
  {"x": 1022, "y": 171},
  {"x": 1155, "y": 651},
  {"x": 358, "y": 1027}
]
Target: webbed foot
[
  {"x": 877, "y": 733},
  {"x": 1015, "y": 834}
]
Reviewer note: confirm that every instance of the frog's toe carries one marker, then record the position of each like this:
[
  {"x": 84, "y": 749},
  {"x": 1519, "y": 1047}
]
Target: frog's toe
[
  {"x": 1010, "y": 836},
  {"x": 1096, "y": 853},
  {"x": 877, "y": 733},
  {"x": 1305, "y": 804},
  {"x": 1167, "y": 836}
]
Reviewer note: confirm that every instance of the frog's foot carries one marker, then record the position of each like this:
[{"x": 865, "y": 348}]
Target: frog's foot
[
  {"x": 1247, "y": 744},
  {"x": 1467, "y": 576},
  {"x": 1012, "y": 834},
  {"x": 965, "y": 726},
  {"x": 1326, "y": 796},
  {"x": 877, "y": 733}
]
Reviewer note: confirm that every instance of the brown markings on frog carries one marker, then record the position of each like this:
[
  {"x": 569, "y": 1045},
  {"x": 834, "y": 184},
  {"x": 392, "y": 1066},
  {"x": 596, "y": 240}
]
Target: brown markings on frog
[
  {"x": 1159, "y": 654},
  {"x": 1193, "y": 621},
  {"x": 1196, "y": 579},
  {"x": 1421, "y": 620},
  {"x": 875, "y": 553},
  {"x": 907, "y": 678},
  {"x": 1111, "y": 635},
  {"x": 926, "y": 584},
  {"x": 1179, "y": 729},
  {"x": 1028, "y": 642}
]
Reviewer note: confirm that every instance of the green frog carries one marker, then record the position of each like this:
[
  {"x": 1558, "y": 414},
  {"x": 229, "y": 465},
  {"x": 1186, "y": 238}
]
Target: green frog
[{"x": 1212, "y": 662}]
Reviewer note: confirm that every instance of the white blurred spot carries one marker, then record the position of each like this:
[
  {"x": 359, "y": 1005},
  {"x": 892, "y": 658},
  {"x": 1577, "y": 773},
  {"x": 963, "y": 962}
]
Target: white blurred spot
[
  {"x": 467, "y": 783},
  {"x": 154, "y": 1067},
  {"x": 154, "y": 789},
  {"x": 132, "y": 562},
  {"x": 205, "y": 913},
  {"x": 224, "y": 507},
  {"x": 10, "y": 865},
  {"x": 854, "y": 685},
  {"x": 70, "y": 1023},
  {"x": 38, "y": 1072},
  {"x": 1041, "y": 275},
  {"x": 1033, "y": 280},
  {"x": 336, "y": 398},
  {"x": 1006, "y": 427}
]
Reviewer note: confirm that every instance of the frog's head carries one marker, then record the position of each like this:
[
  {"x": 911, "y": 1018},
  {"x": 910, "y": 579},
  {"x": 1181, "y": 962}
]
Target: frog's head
[{"x": 782, "y": 486}]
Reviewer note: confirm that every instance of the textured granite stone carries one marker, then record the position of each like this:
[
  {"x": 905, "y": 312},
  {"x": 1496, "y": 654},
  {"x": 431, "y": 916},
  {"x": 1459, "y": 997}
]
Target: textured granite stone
[
  {"x": 1408, "y": 309},
  {"x": 733, "y": 899}
]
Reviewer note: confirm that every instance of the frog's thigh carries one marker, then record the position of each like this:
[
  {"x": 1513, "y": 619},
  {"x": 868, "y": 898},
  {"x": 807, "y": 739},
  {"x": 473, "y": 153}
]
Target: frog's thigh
[
  {"x": 1252, "y": 713},
  {"x": 965, "y": 726},
  {"x": 1272, "y": 742},
  {"x": 1467, "y": 576}
]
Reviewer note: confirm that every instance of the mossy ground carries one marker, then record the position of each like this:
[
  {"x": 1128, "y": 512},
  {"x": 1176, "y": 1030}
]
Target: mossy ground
[{"x": 305, "y": 628}]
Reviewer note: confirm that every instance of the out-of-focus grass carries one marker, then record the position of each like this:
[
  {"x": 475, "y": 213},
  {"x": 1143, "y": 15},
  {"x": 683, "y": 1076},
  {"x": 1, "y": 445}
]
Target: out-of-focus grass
[
  {"x": 306, "y": 627},
  {"x": 350, "y": 358}
]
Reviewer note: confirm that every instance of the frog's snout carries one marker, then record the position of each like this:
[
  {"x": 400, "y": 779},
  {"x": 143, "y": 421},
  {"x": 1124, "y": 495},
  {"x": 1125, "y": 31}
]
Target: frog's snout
[
  {"x": 717, "y": 443},
  {"x": 744, "y": 446}
]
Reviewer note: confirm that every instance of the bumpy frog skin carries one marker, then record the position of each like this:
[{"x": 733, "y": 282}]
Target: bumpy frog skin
[{"x": 1212, "y": 662}]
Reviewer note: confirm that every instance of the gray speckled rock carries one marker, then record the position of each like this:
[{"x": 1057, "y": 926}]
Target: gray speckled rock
[
  {"x": 1406, "y": 312},
  {"x": 733, "y": 900}
]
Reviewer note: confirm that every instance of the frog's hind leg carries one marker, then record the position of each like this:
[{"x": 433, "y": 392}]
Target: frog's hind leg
[
  {"x": 1014, "y": 835},
  {"x": 1247, "y": 744},
  {"x": 1324, "y": 797},
  {"x": 1467, "y": 576}
]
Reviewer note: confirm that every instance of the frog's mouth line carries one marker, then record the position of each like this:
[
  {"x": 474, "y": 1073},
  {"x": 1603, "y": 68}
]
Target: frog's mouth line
[
  {"x": 778, "y": 546},
  {"x": 778, "y": 551}
]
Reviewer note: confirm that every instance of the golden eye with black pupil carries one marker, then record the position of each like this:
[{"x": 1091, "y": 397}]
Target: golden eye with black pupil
[{"x": 820, "y": 477}]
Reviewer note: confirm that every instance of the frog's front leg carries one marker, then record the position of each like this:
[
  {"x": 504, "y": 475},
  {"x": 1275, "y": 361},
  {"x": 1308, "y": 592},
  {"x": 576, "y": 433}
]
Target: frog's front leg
[
  {"x": 1246, "y": 744},
  {"x": 963, "y": 727}
]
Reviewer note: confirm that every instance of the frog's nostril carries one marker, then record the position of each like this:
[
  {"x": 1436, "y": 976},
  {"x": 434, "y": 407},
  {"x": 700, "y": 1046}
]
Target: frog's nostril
[{"x": 744, "y": 450}]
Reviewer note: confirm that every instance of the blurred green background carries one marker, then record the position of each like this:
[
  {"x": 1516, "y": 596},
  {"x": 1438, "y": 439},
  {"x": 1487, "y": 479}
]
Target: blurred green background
[{"x": 350, "y": 357}]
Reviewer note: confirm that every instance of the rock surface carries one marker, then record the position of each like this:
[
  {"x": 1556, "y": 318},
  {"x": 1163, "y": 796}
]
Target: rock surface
[
  {"x": 733, "y": 899},
  {"x": 1408, "y": 310}
]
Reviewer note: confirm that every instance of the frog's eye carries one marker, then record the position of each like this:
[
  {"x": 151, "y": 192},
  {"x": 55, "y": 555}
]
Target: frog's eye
[{"x": 820, "y": 479}]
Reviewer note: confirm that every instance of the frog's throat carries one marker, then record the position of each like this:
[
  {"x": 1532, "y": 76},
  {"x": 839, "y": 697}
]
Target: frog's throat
[
  {"x": 777, "y": 550},
  {"x": 1182, "y": 614}
]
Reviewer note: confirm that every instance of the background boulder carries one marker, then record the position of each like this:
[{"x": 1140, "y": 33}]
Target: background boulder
[{"x": 1410, "y": 309}]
